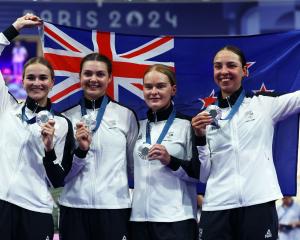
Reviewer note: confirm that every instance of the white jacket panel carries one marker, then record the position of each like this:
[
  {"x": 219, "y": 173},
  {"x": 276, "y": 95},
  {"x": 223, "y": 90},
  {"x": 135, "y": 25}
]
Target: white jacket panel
[
  {"x": 159, "y": 194},
  {"x": 23, "y": 176},
  {"x": 101, "y": 181},
  {"x": 242, "y": 171}
]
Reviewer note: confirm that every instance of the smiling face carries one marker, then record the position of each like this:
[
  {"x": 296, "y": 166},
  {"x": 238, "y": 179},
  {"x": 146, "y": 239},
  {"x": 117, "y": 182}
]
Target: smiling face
[
  {"x": 94, "y": 79},
  {"x": 158, "y": 90},
  {"x": 228, "y": 72},
  {"x": 37, "y": 82}
]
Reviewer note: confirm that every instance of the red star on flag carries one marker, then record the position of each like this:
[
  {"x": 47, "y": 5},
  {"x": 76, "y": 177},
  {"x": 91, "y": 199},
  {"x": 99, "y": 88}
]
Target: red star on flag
[
  {"x": 248, "y": 65},
  {"x": 208, "y": 100},
  {"x": 263, "y": 89}
]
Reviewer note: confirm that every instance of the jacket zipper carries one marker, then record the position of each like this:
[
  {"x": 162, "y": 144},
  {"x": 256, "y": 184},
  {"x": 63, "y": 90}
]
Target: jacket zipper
[{"x": 236, "y": 153}]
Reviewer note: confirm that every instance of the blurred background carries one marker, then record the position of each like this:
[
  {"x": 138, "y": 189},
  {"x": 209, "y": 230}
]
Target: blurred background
[{"x": 145, "y": 17}]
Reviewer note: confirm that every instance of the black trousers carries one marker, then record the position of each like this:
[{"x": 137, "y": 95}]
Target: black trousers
[
  {"x": 17, "y": 223},
  {"x": 257, "y": 222},
  {"x": 182, "y": 230},
  {"x": 94, "y": 224}
]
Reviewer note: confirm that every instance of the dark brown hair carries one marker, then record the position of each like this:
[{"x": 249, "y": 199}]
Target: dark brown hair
[
  {"x": 237, "y": 51},
  {"x": 40, "y": 60},
  {"x": 97, "y": 57}
]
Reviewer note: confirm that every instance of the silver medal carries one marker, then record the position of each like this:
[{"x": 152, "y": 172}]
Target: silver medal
[
  {"x": 43, "y": 117},
  {"x": 215, "y": 112},
  {"x": 89, "y": 120},
  {"x": 143, "y": 151}
]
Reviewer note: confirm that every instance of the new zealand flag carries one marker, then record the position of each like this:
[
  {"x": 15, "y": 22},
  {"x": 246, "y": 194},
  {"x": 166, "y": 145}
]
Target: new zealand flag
[{"x": 273, "y": 65}]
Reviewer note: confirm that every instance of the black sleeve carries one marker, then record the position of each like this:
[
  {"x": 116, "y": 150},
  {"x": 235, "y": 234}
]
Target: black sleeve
[
  {"x": 10, "y": 33},
  {"x": 192, "y": 166},
  {"x": 200, "y": 141},
  {"x": 68, "y": 150},
  {"x": 56, "y": 173}
]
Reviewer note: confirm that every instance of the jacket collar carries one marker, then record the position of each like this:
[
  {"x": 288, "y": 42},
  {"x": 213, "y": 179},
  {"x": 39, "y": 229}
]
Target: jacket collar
[
  {"x": 224, "y": 102},
  {"x": 93, "y": 104},
  {"x": 159, "y": 115},
  {"x": 34, "y": 107}
]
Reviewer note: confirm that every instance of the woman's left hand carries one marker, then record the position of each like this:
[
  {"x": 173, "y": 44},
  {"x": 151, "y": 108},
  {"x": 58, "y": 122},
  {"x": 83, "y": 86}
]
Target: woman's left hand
[
  {"x": 83, "y": 136},
  {"x": 159, "y": 152},
  {"x": 28, "y": 20},
  {"x": 47, "y": 131}
]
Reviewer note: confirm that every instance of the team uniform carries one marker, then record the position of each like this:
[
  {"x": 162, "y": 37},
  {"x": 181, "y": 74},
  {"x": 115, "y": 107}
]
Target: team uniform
[
  {"x": 242, "y": 182},
  {"x": 95, "y": 202},
  {"x": 27, "y": 171},
  {"x": 164, "y": 198}
]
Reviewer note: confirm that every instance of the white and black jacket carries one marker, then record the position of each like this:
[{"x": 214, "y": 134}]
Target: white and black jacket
[
  {"x": 101, "y": 180},
  {"x": 166, "y": 193},
  {"x": 240, "y": 166},
  {"x": 27, "y": 171}
]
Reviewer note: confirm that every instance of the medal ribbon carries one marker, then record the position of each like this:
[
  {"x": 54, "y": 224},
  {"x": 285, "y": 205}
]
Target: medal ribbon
[
  {"x": 235, "y": 107},
  {"x": 100, "y": 111},
  {"x": 164, "y": 131},
  {"x": 32, "y": 120}
]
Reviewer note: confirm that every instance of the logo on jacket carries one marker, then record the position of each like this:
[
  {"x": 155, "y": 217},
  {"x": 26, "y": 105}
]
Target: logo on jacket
[
  {"x": 200, "y": 233},
  {"x": 268, "y": 234},
  {"x": 169, "y": 136},
  {"x": 249, "y": 116}
]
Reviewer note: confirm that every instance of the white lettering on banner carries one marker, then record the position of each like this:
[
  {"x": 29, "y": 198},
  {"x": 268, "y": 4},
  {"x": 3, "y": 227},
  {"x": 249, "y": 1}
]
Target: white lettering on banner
[
  {"x": 172, "y": 19},
  {"x": 65, "y": 17},
  {"x": 115, "y": 17},
  {"x": 134, "y": 19},
  {"x": 46, "y": 15},
  {"x": 92, "y": 21},
  {"x": 89, "y": 19},
  {"x": 137, "y": 19},
  {"x": 154, "y": 17},
  {"x": 78, "y": 18}
]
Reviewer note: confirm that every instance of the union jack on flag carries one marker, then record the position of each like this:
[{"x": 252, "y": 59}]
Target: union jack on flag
[
  {"x": 273, "y": 66},
  {"x": 64, "y": 47}
]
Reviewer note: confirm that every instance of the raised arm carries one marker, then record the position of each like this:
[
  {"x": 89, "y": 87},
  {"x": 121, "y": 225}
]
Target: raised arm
[{"x": 28, "y": 20}]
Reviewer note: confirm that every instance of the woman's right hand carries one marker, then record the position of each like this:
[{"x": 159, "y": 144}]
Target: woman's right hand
[
  {"x": 199, "y": 123},
  {"x": 83, "y": 136},
  {"x": 47, "y": 132}
]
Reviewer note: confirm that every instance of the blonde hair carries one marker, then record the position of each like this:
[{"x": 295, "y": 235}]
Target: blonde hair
[{"x": 166, "y": 70}]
